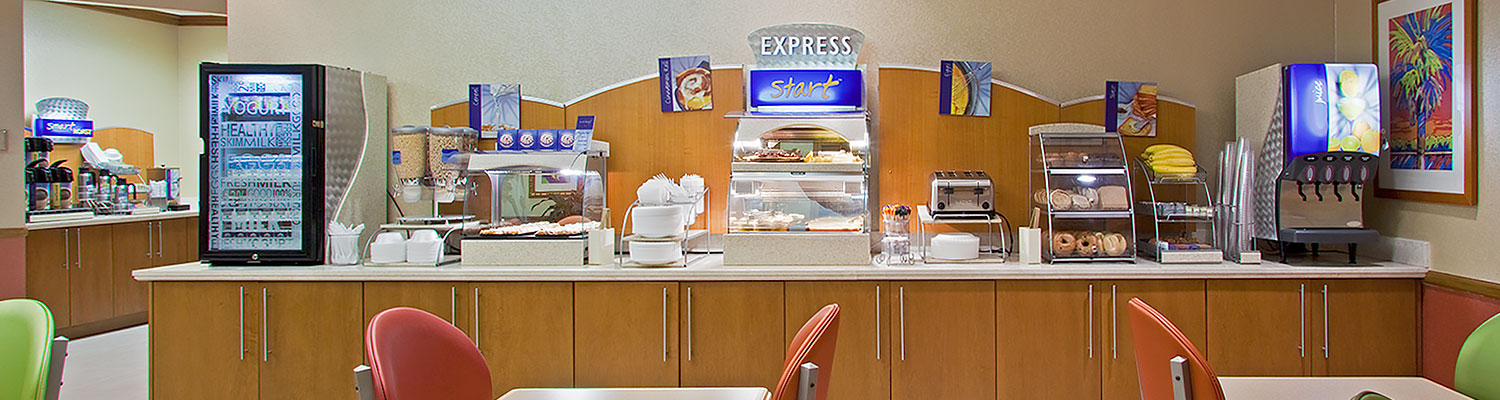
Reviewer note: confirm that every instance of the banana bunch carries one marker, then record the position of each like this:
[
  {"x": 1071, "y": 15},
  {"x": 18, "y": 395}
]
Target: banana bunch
[{"x": 1170, "y": 160}]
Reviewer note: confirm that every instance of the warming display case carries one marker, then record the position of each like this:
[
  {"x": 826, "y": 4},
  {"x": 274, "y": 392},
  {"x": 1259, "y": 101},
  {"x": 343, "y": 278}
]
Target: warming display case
[
  {"x": 535, "y": 208},
  {"x": 799, "y": 190},
  {"x": 1080, "y": 179}
]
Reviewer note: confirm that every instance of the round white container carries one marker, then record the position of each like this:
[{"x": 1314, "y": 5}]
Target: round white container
[
  {"x": 657, "y": 221},
  {"x": 955, "y": 246},
  {"x": 389, "y": 252},
  {"x": 655, "y": 253},
  {"x": 423, "y": 251}
]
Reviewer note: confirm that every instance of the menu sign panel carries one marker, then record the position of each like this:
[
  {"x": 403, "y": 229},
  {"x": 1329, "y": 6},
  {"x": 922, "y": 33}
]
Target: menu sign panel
[{"x": 832, "y": 88}]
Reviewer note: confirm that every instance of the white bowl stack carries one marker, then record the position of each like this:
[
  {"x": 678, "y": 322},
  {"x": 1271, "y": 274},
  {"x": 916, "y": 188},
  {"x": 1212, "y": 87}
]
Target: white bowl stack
[
  {"x": 388, "y": 247},
  {"x": 655, "y": 253},
  {"x": 657, "y": 221},
  {"x": 955, "y": 246}
]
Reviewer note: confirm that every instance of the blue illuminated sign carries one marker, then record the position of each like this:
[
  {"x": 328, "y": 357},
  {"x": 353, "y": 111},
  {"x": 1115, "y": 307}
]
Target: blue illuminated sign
[
  {"x": 63, "y": 130},
  {"x": 810, "y": 88}
]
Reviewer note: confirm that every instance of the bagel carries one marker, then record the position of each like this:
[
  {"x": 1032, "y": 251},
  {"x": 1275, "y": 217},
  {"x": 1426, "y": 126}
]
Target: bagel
[
  {"x": 1061, "y": 199},
  {"x": 1063, "y": 243},
  {"x": 1114, "y": 244},
  {"x": 1088, "y": 244}
]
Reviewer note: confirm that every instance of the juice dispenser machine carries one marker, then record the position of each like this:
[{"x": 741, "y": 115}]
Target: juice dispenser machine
[{"x": 1317, "y": 128}]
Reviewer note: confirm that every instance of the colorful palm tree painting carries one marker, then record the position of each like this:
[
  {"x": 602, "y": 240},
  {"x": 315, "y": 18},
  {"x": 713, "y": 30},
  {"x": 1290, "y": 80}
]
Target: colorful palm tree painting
[{"x": 1421, "y": 57}]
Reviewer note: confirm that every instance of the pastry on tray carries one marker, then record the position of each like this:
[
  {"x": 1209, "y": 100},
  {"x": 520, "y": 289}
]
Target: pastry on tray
[
  {"x": 837, "y": 224},
  {"x": 832, "y": 157},
  {"x": 772, "y": 155}
]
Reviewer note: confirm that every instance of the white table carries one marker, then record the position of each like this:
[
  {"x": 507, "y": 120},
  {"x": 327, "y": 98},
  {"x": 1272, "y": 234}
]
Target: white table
[
  {"x": 639, "y": 394},
  {"x": 1397, "y": 388}
]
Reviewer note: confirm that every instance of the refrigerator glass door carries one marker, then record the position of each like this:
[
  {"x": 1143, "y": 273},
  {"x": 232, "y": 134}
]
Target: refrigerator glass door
[{"x": 256, "y": 154}]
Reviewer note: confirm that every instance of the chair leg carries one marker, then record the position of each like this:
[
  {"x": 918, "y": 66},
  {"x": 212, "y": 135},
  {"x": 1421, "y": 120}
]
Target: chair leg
[
  {"x": 364, "y": 382},
  {"x": 59, "y": 356}
]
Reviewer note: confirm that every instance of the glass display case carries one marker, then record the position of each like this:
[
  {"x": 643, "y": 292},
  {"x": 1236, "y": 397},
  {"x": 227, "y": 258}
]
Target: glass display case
[
  {"x": 799, "y": 190},
  {"x": 1079, "y": 178},
  {"x": 536, "y": 208}
]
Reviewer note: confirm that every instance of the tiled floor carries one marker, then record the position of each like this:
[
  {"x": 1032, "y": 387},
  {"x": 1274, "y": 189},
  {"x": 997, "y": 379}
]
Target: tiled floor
[{"x": 107, "y": 366}]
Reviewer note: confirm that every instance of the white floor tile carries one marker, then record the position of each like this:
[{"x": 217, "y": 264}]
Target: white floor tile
[{"x": 107, "y": 366}]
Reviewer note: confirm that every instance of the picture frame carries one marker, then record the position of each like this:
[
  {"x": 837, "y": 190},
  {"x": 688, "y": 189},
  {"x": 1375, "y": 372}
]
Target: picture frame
[
  {"x": 544, "y": 184},
  {"x": 1428, "y": 107}
]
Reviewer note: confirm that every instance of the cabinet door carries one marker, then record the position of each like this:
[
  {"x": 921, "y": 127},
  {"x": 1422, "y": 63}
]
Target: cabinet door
[
  {"x": 1047, "y": 347},
  {"x": 313, "y": 339},
  {"x": 732, "y": 333},
  {"x": 204, "y": 341},
  {"x": 863, "y": 356},
  {"x": 625, "y": 334},
  {"x": 91, "y": 282},
  {"x": 1367, "y": 326},
  {"x": 1260, "y": 326},
  {"x": 524, "y": 329},
  {"x": 438, "y": 298},
  {"x": 1181, "y": 301},
  {"x": 49, "y": 257},
  {"x": 944, "y": 340},
  {"x": 170, "y": 242},
  {"x": 130, "y": 253}
]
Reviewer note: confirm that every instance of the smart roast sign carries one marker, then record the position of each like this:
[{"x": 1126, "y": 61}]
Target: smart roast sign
[{"x": 806, "y": 67}]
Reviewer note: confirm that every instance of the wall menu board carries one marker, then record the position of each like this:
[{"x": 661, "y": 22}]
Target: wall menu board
[
  {"x": 833, "y": 89},
  {"x": 255, "y": 155}
]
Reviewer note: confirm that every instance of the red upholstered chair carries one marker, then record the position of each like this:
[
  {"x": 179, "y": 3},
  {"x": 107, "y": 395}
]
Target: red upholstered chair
[
  {"x": 1157, "y": 342},
  {"x": 416, "y": 355},
  {"x": 814, "y": 344}
]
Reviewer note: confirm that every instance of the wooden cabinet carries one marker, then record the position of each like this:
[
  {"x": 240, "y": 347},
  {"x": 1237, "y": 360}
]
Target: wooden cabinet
[
  {"x": 1046, "y": 343},
  {"x": 205, "y": 340},
  {"x": 524, "y": 330},
  {"x": 944, "y": 340},
  {"x": 193, "y": 230},
  {"x": 1181, "y": 301},
  {"x": 1365, "y": 327},
  {"x": 438, "y": 298},
  {"x": 1259, "y": 328},
  {"x": 625, "y": 334},
  {"x": 732, "y": 333},
  {"x": 91, "y": 281},
  {"x": 49, "y": 258},
  {"x": 132, "y": 242},
  {"x": 171, "y": 245},
  {"x": 311, "y": 339},
  {"x": 863, "y": 357}
]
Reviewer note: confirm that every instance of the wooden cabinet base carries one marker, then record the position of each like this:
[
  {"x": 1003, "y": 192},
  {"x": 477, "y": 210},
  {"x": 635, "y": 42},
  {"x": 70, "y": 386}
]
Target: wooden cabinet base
[{"x": 104, "y": 326}]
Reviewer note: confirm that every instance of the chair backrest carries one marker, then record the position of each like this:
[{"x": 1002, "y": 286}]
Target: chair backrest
[
  {"x": 25, "y": 348},
  {"x": 416, "y": 355},
  {"x": 1157, "y": 341},
  {"x": 1479, "y": 362},
  {"x": 814, "y": 343}
]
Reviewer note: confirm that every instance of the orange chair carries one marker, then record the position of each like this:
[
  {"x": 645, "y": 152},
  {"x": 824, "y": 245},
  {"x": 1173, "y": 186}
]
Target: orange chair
[
  {"x": 1159, "y": 349},
  {"x": 416, "y": 355},
  {"x": 810, "y": 355}
]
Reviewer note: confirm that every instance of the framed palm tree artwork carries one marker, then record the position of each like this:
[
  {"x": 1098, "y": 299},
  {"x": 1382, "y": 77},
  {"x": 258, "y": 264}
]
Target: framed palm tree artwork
[{"x": 1425, "y": 50}]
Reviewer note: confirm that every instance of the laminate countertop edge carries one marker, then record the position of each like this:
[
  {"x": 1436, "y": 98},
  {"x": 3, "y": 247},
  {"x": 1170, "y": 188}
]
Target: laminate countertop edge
[
  {"x": 711, "y": 269},
  {"x": 113, "y": 219}
]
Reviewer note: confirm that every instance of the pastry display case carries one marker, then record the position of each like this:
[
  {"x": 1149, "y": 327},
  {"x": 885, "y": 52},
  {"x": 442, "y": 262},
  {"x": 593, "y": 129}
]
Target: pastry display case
[
  {"x": 799, "y": 189},
  {"x": 1080, "y": 180},
  {"x": 534, "y": 208}
]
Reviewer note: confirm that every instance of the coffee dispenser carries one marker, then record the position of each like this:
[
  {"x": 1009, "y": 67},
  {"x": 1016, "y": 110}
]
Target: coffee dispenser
[{"x": 1317, "y": 128}]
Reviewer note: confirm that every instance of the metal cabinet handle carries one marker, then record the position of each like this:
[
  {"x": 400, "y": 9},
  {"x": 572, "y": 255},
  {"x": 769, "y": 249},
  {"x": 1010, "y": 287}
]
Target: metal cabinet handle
[
  {"x": 690, "y": 323},
  {"x": 1325, "y": 321},
  {"x": 877, "y": 322},
  {"x": 65, "y": 250},
  {"x": 476, "y": 317},
  {"x": 1091, "y": 321},
  {"x": 160, "y": 240},
  {"x": 453, "y": 305},
  {"x": 242, "y": 323},
  {"x": 78, "y": 248},
  {"x": 1114, "y": 332},
  {"x": 265, "y": 341},
  {"x": 901, "y": 293},
  {"x": 1302, "y": 320},
  {"x": 148, "y": 241},
  {"x": 663, "y": 324}
]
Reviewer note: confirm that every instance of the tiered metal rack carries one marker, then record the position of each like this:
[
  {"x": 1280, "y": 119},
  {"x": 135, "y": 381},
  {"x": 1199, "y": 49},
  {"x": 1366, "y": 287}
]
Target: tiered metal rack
[{"x": 1160, "y": 250}]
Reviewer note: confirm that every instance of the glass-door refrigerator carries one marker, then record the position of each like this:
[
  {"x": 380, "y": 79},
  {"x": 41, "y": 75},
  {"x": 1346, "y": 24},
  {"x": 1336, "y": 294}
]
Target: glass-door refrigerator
[{"x": 287, "y": 150}]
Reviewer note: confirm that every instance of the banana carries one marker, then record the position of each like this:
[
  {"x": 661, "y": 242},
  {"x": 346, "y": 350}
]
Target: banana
[
  {"x": 1169, "y": 152},
  {"x": 1173, "y": 162},
  {"x": 1174, "y": 170},
  {"x": 1161, "y": 146}
]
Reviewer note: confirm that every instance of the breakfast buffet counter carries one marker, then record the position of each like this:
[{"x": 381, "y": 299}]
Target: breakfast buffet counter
[
  {"x": 711, "y": 268},
  {"x": 112, "y": 219}
]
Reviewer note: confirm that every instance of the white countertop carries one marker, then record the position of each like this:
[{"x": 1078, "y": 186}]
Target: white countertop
[
  {"x": 112, "y": 219},
  {"x": 711, "y": 268}
]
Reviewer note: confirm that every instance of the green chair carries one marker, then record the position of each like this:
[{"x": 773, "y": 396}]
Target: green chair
[
  {"x": 1479, "y": 362},
  {"x": 28, "y": 370}
]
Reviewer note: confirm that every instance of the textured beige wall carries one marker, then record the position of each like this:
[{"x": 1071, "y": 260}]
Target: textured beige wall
[
  {"x": 1063, "y": 49},
  {"x": 195, "y": 44},
  {"x": 1463, "y": 238},
  {"x": 12, "y": 117}
]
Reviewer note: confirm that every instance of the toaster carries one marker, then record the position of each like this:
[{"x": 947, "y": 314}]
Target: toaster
[{"x": 962, "y": 192}]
